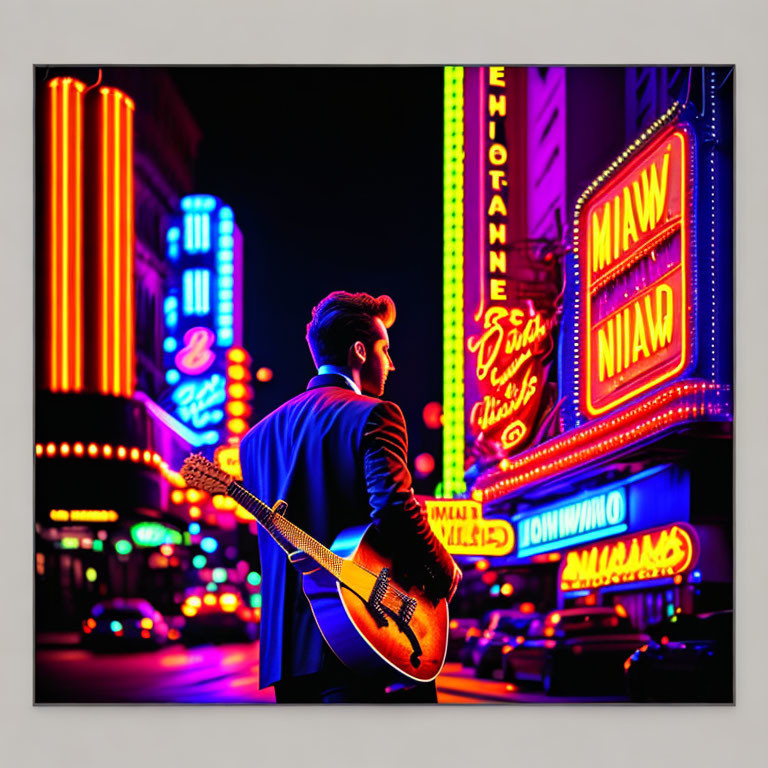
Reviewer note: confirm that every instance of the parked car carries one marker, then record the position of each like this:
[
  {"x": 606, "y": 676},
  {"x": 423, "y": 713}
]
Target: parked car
[
  {"x": 124, "y": 623},
  {"x": 690, "y": 658},
  {"x": 574, "y": 649},
  {"x": 487, "y": 624},
  {"x": 457, "y": 636},
  {"x": 217, "y": 617},
  {"x": 507, "y": 630}
]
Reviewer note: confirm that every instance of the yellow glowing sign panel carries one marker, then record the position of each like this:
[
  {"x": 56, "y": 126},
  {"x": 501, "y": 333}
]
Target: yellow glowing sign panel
[
  {"x": 635, "y": 262},
  {"x": 651, "y": 554},
  {"x": 84, "y": 515},
  {"x": 460, "y": 525},
  {"x": 228, "y": 458}
]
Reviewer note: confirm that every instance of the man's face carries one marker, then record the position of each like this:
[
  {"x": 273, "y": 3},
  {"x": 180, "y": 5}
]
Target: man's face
[{"x": 378, "y": 363}]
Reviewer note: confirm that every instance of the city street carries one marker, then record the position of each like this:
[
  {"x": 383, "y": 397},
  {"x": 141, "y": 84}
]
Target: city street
[{"x": 224, "y": 674}]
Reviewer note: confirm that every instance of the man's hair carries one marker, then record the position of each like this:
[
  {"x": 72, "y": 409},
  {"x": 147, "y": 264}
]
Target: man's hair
[{"x": 341, "y": 319}]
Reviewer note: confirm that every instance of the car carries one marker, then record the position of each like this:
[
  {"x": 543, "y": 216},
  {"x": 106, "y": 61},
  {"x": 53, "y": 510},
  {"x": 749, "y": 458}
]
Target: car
[
  {"x": 507, "y": 629},
  {"x": 486, "y": 625},
  {"x": 574, "y": 649},
  {"x": 217, "y": 617},
  {"x": 688, "y": 659},
  {"x": 123, "y": 623},
  {"x": 458, "y": 629}
]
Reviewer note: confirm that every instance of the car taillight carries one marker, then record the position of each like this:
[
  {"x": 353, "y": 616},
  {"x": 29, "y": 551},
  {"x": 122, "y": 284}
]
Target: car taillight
[
  {"x": 228, "y": 602},
  {"x": 505, "y": 649}
]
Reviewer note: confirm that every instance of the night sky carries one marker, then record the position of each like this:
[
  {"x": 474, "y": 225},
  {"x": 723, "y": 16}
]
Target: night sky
[{"x": 335, "y": 178}]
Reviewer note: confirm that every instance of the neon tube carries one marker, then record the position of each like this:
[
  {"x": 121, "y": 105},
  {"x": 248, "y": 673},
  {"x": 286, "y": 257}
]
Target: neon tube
[
  {"x": 53, "y": 277},
  {"x": 116, "y": 256},
  {"x": 104, "y": 283},
  {"x": 453, "y": 280},
  {"x": 129, "y": 261},
  {"x": 78, "y": 332}
]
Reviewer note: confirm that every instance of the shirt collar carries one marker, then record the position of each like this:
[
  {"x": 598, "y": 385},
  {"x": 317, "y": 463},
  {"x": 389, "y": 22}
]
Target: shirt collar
[{"x": 339, "y": 371}]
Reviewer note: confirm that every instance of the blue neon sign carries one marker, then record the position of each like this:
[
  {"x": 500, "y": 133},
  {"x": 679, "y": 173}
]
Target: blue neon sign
[
  {"x": 573, "y": 521},
  {"x": 202, "y": 312}
]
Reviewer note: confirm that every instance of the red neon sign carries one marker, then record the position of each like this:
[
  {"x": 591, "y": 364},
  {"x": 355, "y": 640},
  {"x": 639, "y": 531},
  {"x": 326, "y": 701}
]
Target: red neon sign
[
  {"x": 64, "y": 167},
  {"x": 636, "y": 319},
  {"x": 513, "y": 336},
  {"x": 652, "y": 554},
  {"x": 114, "y": 125}
]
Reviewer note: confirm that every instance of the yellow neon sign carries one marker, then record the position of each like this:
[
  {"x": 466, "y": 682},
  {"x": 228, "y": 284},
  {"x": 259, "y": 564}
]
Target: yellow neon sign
[
  {"x": 651, "y": 554},
  {"x": 84, "y": 515},
  {"x": 636, "y": 321},
  {"x": 228, "y": 458},
  {"x": 460, "y": 526}
]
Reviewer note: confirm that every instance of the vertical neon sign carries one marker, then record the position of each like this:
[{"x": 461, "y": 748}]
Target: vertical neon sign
[
  {"x": 64, "y": 324},
  {"x": 114, "y": 193},
  {"x": 203, "y": 316},
  {"x": 453, "y": 280}
]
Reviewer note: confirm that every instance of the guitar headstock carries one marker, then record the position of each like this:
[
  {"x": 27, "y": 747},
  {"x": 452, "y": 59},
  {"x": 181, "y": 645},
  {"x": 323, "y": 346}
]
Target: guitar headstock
[{"x": 204, "y": 475}]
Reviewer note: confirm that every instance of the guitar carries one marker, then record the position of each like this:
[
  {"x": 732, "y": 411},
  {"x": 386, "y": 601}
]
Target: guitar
[{"x": 374, "y": 625}]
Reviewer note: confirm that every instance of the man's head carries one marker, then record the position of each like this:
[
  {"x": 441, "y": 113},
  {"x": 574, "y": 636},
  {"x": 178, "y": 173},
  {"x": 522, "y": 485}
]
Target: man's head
[{"x": 350, "y": 330}]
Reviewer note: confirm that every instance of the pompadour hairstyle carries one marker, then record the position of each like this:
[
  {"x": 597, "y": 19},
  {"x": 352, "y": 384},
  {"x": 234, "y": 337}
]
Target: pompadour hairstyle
[{"x": 341, "y": 319}]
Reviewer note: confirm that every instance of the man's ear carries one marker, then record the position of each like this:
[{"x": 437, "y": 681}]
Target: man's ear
[{"x": 357, "y": 354}]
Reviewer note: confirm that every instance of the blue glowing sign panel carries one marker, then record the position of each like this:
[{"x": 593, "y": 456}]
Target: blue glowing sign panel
[
  {"x": 203, "y": 313},
  {"x": 575, "y": 520}
]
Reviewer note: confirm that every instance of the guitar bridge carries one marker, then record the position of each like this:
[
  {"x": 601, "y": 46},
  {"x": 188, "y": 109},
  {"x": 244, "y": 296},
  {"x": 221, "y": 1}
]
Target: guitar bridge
[{"x": 377, "y": 597}]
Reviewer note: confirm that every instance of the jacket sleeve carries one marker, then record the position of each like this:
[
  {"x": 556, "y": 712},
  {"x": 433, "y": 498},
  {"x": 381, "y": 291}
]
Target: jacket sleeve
[{"x": 419, "y": 557}]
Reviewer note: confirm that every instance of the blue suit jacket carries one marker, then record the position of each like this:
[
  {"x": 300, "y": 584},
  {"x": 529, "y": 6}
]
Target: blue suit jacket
[{"x": 339, "y": 460}]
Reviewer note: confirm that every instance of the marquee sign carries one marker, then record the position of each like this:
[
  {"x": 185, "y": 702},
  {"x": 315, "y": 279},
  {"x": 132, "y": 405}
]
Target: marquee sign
[
  {"x": 635, "y": 263},
  {"x": 651, "y": 554},
  {"x": 512, "y": 334},
  {"x": 572, "y": 521},
  {"x": 460, "y": 526}
]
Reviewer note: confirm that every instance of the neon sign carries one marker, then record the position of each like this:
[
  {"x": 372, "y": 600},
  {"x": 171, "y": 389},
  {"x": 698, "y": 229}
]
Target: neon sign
[
  {"x": 637, "y": 321},
  {"x": 514, "y": 336},
  {"x": 195, "y": 356},
  {"x": 460, "y": 525},
  {"x": 115, "y": 210},
  {"x": 84, "y": 515},
  {"x": 203, "y": 314},
  {"x": 64, "y": 242},
  {"x": 652, "y": 554},
  {"x": 573, "y": 521},
  {"x": 153, "y": 534},
  {"x": 196, "y": 401},
  {"x": 453, "y": 279}
]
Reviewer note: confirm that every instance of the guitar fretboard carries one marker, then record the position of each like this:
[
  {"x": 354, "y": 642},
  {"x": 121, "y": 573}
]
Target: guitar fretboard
[{"x": 279, "y": 527}]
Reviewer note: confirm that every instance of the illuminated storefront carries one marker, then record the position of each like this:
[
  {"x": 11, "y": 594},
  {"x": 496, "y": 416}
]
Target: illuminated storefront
[{"x": 621, "y": 481}]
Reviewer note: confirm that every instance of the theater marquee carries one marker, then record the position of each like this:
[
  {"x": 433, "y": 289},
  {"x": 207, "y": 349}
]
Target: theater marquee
[
  {"x": 643, "y": 556},
  {"x": 635, "y": 263}
]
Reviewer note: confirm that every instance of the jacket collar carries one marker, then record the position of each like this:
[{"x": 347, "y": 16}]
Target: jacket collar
[{"x": 329, "y": 380}]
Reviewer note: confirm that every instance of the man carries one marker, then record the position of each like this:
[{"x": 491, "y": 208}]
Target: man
[{"x": 337, "y": 455}]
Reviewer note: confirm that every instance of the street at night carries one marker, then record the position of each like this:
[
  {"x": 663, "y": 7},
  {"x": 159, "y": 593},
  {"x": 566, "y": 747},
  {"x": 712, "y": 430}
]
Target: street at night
[
  {"x": 532, "y": 408},
  {"x": 218, "y": 674}
]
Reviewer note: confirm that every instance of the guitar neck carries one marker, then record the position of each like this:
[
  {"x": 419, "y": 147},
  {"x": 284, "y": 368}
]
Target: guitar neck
[{"x": 279, "y": 527}]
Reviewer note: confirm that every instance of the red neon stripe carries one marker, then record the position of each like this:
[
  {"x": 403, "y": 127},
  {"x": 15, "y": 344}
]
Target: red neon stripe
[
  {"x": 78, "y": 331},
  {"x": 65, "y": 233},
  {"x": 116, "y": 264},
  {"x": 105, "y": 283},
  {"x": 53, "y": 246}
]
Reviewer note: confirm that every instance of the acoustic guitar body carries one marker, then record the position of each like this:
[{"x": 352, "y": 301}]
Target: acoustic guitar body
[{"x": 387, "y": 645}]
